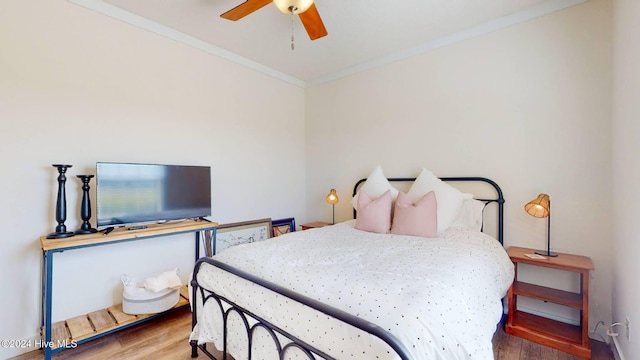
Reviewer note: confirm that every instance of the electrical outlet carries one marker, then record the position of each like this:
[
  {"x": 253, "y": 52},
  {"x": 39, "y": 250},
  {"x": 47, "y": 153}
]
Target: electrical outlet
[{"x": 628, "y": 326}]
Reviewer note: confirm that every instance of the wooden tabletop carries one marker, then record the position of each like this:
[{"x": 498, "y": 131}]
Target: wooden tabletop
[
  {"x": 563, "y": 261},
  {"x": 123, "y": 234}
]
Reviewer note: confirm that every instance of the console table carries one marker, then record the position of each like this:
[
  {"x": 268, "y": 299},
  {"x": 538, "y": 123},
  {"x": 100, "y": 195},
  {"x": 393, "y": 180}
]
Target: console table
[{"x": 102, "y": 322}]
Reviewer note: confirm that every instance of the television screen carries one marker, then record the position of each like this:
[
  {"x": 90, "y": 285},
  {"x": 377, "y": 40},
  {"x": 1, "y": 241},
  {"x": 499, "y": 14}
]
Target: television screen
[{"x": 139, "y": 193}]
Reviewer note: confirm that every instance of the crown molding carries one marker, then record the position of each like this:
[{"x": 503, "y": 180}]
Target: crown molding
[
  {"x": 482, "y": 29},
  {"x": 163, "y": 30},
  {"x": 543, "y": 9}
]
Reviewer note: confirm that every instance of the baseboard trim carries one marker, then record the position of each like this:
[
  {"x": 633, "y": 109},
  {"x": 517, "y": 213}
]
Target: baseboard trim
[
  {"x": 615, "y": 349},
  {"x": 545, "y": 315}
]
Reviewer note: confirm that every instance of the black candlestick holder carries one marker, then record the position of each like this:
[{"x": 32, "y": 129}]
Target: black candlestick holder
[
  {"x": 85, "y": 210},
  {"x": 61, "y": 206}
]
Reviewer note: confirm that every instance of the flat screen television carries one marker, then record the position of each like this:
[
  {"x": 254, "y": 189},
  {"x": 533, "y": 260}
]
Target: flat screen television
[{"x": 145, "y": 193}]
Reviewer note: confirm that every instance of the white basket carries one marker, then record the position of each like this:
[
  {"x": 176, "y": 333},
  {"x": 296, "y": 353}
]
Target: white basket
[{"x": 138, "y": 300}]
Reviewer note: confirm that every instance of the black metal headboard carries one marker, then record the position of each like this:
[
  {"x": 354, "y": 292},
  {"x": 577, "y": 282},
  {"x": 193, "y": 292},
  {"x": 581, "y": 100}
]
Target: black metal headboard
[{"x": 498, "y": 200}]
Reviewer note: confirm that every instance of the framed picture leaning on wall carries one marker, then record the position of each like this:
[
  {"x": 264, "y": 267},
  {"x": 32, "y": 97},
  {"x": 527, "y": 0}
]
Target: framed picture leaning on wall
[{"x": 231, "y": 234}]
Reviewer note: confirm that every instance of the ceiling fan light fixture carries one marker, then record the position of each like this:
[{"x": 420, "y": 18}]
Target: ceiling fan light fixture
[{"x": 293, "y": 6}]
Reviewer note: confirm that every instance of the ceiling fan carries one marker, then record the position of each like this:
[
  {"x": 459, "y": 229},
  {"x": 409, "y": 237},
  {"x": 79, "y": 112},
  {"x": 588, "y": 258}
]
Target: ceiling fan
[{"x": 305, "y": 9}]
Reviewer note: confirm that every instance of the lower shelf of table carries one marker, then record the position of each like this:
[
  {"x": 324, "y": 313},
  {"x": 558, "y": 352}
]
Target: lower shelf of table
[
  {"x": 556, "y": 334},
  {"x": 84, "y": 327}
]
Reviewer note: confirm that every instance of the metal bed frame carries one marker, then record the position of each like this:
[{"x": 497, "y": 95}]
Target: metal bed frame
[{"x": 252, "y": 321}]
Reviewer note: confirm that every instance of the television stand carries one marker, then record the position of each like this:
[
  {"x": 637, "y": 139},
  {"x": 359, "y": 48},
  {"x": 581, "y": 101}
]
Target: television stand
[{"x": 71, "y": 332}]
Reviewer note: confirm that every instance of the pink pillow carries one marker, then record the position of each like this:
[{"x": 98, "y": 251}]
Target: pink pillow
[
  {"x": 374, "y": 215},
  {"x": 419, "y": 219}
]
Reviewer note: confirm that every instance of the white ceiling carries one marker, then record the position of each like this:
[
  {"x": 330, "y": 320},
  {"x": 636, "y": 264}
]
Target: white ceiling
[{"x": 362, "y": 33}]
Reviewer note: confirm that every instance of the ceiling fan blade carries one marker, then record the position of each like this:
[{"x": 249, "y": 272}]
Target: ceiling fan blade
[
  {"x": 313, "y": 23},
  {"x": 244, "y": 9}
]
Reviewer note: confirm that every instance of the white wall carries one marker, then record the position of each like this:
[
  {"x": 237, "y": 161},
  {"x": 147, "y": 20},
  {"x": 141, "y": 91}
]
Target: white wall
[
  {"x": 626, "y": 171},
  {"x": 528, "y": 106},
  {"x": 79, "y": 87}
]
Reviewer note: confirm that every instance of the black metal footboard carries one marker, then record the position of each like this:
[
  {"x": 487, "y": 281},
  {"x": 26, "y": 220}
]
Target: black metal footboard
[{"x": 252, "y": 321}]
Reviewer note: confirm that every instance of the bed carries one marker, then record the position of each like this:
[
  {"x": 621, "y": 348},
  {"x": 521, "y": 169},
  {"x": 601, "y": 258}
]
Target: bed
[{"x": 338, "y": 292}]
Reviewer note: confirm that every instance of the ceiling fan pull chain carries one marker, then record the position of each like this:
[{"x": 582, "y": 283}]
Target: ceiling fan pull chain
[{"x": 292, "y": 17}]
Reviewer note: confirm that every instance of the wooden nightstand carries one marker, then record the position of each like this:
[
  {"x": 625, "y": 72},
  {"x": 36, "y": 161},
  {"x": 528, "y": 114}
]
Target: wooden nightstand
[
  {"x": 566, "y": 337},
  {"x": 313, "y": 225}
]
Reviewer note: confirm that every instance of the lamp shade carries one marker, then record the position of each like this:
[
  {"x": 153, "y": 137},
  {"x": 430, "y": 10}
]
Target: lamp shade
[
  {"x": 332, "y": 197},
  {"x": 293, "y": 6},
  {"x": 539, "y": 207}
]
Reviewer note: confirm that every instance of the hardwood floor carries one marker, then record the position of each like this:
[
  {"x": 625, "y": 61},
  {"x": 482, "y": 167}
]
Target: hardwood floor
[
  {"x": 166, "y": 338},
  {"x": 508, "y": 347}
]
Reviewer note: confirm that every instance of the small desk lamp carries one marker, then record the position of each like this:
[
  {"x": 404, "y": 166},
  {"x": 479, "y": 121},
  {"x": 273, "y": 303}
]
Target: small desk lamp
[
  {"x": 332, "y": 199},
  {"x": 540, "y": 207}
]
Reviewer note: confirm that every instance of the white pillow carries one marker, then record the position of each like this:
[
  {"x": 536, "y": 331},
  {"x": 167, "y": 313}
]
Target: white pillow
[
  {"x": 449, "y": 198},
  {"x": 375, "y": 185},
  {"x": 470, "y": 216}
]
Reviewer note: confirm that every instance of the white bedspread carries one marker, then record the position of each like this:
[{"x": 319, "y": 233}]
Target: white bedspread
[{"x": 440, "y": 297}]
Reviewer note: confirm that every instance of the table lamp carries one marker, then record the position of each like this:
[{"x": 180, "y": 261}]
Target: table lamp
[
  {"x": 332, "y": 199},
  {"x": 540, "y": 207}
]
